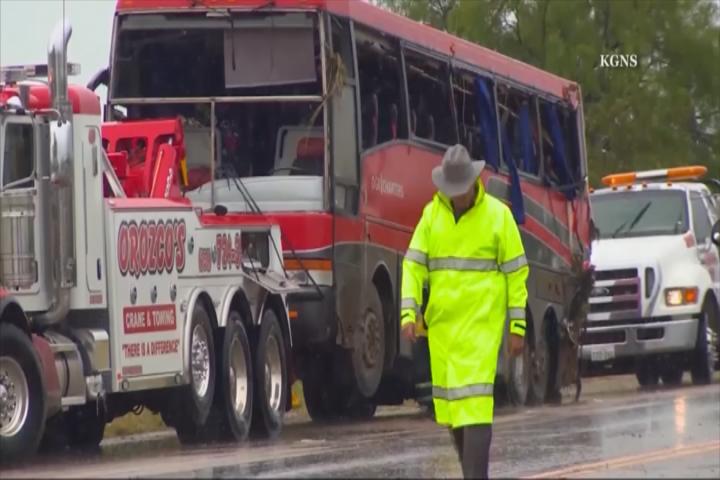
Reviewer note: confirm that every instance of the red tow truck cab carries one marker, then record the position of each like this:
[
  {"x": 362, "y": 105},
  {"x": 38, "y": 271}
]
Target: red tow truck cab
[{"x": 148, "y": 157}]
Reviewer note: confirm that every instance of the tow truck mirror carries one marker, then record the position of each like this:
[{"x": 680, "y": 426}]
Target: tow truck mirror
[{"x": 716, "y": 233}]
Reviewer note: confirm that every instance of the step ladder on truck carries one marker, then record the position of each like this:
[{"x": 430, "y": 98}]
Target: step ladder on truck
[{"x": 116, "y": 292}]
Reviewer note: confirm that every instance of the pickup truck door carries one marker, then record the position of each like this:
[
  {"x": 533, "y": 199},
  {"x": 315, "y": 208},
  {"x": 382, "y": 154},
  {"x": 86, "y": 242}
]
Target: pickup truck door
[{"x": 703, "y": 218}]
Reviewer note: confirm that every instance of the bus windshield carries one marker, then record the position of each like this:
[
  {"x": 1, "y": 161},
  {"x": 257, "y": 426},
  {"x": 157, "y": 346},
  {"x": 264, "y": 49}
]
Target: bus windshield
[
  {"x": 639, "y": 214},
  {"x": 247, "y": 86}
]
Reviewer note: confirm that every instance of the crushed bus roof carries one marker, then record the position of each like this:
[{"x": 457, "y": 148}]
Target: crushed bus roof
[{"x": 396, "y": 25}]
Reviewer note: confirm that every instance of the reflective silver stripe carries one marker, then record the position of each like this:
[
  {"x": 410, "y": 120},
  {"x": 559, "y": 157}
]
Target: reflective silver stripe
[
  {"x": 458, "y": 393},
  {"x": 416, "y": 256},
  {"x": 408, "y": 303},
  {"x": 516, "y": 313},
  {"x": 453, "y": 263},
  {"x": 514, "y": 264}
]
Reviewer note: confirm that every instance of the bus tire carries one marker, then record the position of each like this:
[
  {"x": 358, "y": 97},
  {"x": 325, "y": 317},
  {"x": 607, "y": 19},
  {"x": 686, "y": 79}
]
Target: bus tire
[
  {"x": 518, "y": 381},
  {"x": 21, "y": 384},
  {"x": 368, "y": 353},
  {"x": 539, "y": 367},
  {"x": 271, "y": 378},
  {"x": 321, "y": 395},
  {"x": 196, "y": 399},
  {"x": 236, "y": 380},
  {"x": 85, "y": 426}
]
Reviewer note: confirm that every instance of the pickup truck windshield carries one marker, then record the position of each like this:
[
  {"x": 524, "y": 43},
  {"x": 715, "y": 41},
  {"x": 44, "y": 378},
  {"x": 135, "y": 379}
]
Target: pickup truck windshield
[{"x": 639, "y": 214}]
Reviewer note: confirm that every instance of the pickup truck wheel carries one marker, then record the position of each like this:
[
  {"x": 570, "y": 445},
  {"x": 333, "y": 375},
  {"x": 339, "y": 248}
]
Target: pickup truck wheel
[
  {"x": 196, "y": 399},
  {"x": 672, "y": 375},
  {"x": 646, "y": 372},
  {"x": 271, "y": 378},
  {"x": 703, "y": 357},
  {"x": 22, "y": 396}
]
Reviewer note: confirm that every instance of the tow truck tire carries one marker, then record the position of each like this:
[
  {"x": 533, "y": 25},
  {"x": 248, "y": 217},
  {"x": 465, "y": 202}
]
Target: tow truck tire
[
  {"x": 85, "y": 426},
  {"x": 646, "y": 372},
  {"x": 703, "y": 357},
  {"x": 196, "y": 400},
  {"x": 518, "y": 380},
  {"x": 235, "y": 381},
  {"x": 20, "y": 382},
  {"x": 271, "y": 378}
]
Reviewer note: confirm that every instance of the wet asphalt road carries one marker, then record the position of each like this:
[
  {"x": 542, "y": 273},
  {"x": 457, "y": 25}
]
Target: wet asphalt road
[{"x": 614, "y": 431}]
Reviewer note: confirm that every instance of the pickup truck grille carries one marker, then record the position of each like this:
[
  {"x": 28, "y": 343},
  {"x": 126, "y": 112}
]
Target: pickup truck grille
[{"x": 616, "y": 295}]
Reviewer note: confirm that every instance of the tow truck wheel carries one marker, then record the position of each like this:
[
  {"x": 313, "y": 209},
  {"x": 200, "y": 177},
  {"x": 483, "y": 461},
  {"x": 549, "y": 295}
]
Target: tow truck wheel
[
  {"x": 235, "y": 382},
  {"x": 703, "y": 357},
  {"x": 22, "y": 397},
  {"x": 196, "y": 399},
  {"x": 271, "y": 378},
  {"x": 646, "y": 372}
]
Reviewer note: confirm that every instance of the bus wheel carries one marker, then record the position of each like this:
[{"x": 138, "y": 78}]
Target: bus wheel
[
  {"x": 197, "y": 398},
  {"x": 85, "y": 426},
  {"x": 368, "y": 354},
  {"x": 271, "y": 378},
  {"x": 519, "y": 377},
  {"x": 22, "y": 398},
  {"x": 321, "y": 396},
  {"x": 539, "y": 367}
]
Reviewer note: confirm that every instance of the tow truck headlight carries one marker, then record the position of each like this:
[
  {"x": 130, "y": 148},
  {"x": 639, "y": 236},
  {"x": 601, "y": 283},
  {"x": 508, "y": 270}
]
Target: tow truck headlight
[{"x": 681, "y": 296}]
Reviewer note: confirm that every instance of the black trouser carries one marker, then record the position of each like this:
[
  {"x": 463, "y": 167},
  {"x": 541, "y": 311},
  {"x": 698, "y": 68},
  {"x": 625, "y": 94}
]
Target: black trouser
[{"x": 472, "y": 444}]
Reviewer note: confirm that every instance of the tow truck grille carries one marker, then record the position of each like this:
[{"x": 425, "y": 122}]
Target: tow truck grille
[{"x": 615, "y": 296}]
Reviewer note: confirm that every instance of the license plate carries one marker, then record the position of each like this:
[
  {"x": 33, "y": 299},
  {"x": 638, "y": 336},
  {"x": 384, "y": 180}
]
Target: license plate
[{"x": 602, "y": 354}]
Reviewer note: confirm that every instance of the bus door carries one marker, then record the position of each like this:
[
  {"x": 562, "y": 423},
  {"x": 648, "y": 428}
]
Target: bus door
[{"x": 348, "y": 231}]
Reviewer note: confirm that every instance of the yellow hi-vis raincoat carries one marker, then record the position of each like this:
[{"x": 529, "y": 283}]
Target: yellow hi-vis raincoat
[{"x": 477, "y": 271}]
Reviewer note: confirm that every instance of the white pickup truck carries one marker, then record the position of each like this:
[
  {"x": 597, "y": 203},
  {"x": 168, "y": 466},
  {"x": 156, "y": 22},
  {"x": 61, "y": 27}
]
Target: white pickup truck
[{"x": 655, "y": 300}]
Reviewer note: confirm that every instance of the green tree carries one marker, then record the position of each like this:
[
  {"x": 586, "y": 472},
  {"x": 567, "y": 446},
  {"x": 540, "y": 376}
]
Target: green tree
[{"x": 664, "y": 112}]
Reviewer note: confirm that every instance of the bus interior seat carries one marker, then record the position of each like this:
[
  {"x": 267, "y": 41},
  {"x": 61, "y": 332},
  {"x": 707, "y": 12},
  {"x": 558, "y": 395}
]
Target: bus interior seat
[
  {"x": 394, "y": 116},
  {"x": 370, "y": 120},
  {"x": 310, "y": 156},
  {"x": 197, "y": 146}
]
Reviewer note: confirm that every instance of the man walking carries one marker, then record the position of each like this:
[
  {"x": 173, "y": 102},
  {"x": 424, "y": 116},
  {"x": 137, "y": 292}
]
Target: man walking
[{"x": 467, "y": 248}]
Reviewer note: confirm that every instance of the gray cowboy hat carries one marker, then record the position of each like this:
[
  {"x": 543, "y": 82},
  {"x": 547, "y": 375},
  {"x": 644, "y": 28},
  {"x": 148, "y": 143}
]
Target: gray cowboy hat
[{"x": 457, "y": 173}]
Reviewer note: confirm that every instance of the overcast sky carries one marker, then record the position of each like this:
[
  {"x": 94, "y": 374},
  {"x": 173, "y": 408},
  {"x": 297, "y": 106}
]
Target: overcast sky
[{"x": 26, "y": 26}]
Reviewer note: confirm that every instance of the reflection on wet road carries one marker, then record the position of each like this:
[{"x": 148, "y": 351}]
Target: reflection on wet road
[{"x": 666, "y": 433}]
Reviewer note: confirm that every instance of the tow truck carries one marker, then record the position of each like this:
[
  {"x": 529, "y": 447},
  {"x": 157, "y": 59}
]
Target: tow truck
[
  {"x": 655, "y": 303},
  {"x": 117, "y": 292}
]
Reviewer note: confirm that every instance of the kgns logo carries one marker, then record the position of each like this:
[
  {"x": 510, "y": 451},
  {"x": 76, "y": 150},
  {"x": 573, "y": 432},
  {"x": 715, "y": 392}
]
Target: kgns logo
[{"x": 618, "y": 60}]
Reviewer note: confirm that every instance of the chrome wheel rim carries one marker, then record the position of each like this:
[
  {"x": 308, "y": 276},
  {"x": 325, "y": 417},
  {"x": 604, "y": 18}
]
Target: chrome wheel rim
[
  {"x": 273, "y": 373},
  {"x": 14, "y": 397},
  {"x": 200, "y": 365},
  {"x": 372, "y": 348},
  {"x": 238, "y": 377}
]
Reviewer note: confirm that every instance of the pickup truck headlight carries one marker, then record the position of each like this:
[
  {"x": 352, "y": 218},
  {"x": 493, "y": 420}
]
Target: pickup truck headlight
[{"x": 681, "y": 296}]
